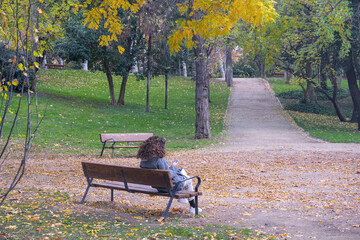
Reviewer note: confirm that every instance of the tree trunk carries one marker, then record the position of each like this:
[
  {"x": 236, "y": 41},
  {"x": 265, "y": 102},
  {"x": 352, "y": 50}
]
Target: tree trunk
[
  {"x": 60, "y": 61},
  {"x": 221, "y": 63},
  {"x": 44, "y": 62},
  {"x": 334, "y": 101},
  {"x": 202, "y": 124},
  {"x": 184, "y": 68},
  {"x": 288, "y": 77},
  {"x": 310, "y": 95},
  {"x": 121, "y": 100},
  {"x": 166, "y": 89},
  {"x": 148, "y": 74},
  {"x": 84, "y": 65},
  {"x": 229, "y": 67},
  {"x": 110, "y": 81},
  {"x": 353, "y": 87},
  {"x": 354, "y": 116},
  {"x": 135, "y": 68},
  {"x": 325, "y": 58},
  {"x": 193, "y": 77}
]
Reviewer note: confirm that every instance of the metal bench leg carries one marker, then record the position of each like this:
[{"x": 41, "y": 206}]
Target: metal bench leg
[
  {"x": 167, "y": 210},
  {"x": 196, "y": 205},
  {"x": 102, "y": 151},
  {"x": 112, "y": 152},
  {"x": 112, "y": 195},
  {"x": 87, "y": 190}
]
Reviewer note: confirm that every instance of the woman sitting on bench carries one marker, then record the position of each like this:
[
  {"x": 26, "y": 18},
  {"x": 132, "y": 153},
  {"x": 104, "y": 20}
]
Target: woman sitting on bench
[{"x": 152, "y": 153}]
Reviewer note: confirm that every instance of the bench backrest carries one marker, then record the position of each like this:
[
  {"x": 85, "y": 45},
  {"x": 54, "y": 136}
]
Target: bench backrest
[
  {"x": 152, "y": 177},
  {"x": 125, "y": 137}
]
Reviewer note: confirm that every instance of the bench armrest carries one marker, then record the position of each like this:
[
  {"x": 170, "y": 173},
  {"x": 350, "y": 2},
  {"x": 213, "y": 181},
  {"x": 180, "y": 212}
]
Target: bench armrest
[
  {"x": 197, "y": 184},
  {"x": 110, "y": 140}
]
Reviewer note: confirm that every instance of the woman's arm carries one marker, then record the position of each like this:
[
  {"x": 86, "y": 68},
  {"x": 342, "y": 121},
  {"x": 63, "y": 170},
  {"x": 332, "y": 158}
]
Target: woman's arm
[{"x": 162, "y": 164}]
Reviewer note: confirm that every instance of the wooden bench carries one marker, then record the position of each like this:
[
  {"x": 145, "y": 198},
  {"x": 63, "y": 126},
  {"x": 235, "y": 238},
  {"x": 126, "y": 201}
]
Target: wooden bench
[
  {"x": 54, "y": 66},
  {"x": 136, "y": 180},
  {"x": 277, "y": 74},
  {"x": 114, "y": 138}
]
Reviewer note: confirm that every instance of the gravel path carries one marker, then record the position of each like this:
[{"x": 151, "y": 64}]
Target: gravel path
[{"x": 280, "y": 155}]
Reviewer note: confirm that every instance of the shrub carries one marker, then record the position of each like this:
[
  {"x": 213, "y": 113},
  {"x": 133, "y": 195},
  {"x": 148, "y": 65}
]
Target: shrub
[
  {"x": 6, "y": 73},
  {"x": 294, "y": 94},
  {"x": 245, "y": 69},
  {"x": 309, "y": 108},
  {"x": 298, "y": 94}
]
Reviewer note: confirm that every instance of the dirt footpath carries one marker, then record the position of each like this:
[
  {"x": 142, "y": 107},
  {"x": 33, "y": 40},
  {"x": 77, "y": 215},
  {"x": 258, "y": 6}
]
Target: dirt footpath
[{"x": 301, "y": 188}]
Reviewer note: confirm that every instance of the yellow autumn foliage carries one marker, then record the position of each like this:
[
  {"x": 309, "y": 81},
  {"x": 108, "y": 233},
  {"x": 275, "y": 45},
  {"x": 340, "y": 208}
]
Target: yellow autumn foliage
[
  {"x": 218, "y": 17},
  {"x": 108, "y": 10}
]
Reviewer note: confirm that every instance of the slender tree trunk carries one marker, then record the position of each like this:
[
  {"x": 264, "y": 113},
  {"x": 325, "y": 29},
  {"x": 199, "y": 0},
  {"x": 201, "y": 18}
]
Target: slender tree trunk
[
  {"x": 193, "y": 77},
  {"x": 354, "y": 116},
  {"x": 121, "y": 100},
  {"x": 221, "y": 63},
  {"x": 338, "y": 111},
  {"x": 310, "y": 95},
  {"x": 110, "y": 81},
  {"x": 202, "y": 124},
  {"x": 84, "y": 65},
  {"x": 323, "y": 74},
  {"x": 288, "y": 77},
  {"x": 148, "y": 74},
  {"x": 60, "y": 60},
  {"x": 43, "y": 62},
  {"x": 135, "y": 68},
  {"x": 184, "y": 68},
  {"x": 354, "y": 88},
  {"x": 166, "y": 89},
  {"x": 334, "y": 101},
  {"x": 229, "y": 67}
]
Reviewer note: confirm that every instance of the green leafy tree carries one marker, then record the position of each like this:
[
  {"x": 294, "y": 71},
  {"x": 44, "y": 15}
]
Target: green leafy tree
[{"x": 306, "y": 30}]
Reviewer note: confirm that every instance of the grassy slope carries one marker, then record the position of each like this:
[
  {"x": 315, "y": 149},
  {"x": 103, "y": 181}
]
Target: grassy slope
[
  {"x": 320, "y": 126},
  {"x": 78, "y": 110}
]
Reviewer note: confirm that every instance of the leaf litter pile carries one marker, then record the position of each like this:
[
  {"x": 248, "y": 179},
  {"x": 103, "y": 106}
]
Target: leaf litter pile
[{"x": 240, "y": 189}]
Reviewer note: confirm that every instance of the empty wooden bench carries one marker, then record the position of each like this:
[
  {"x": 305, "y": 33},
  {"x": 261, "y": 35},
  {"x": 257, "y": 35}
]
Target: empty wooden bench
[
  {"x": 113, "y": 138},
  {"x": 136, "y": 180},
  {"x": 54, "y": 66}
]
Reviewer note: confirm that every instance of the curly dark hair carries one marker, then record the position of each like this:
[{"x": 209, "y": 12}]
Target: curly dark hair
[{"x": 153, "y": 147}]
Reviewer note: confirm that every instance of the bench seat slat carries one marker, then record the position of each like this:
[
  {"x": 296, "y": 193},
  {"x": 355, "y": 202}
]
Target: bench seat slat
[
  {"x": 121, "y": 146},
  {"x": 144, "y": 189},
  {"x": 124, "y": 137}
]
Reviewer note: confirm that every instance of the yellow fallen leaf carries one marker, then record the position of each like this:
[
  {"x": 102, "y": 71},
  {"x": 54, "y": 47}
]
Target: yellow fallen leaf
[
  {"x": 246, "y": 214},
  {"x": 11, "y": 227}
]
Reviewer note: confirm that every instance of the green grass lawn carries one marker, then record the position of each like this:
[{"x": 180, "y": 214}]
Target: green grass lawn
[
  {"x": 78, "y": 110},
  {"x": 325, "y": 126}
]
